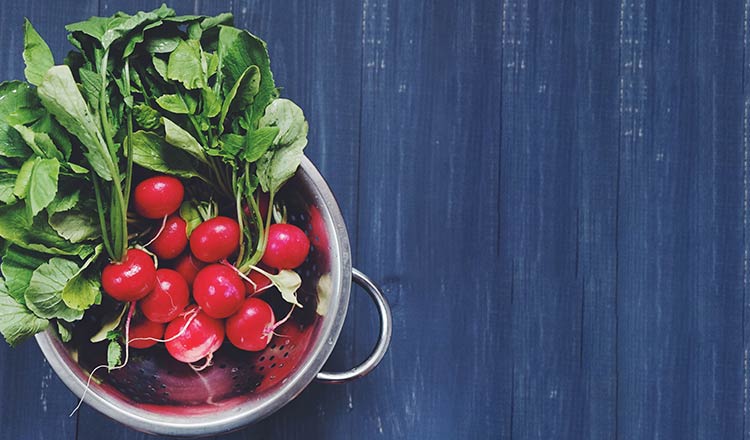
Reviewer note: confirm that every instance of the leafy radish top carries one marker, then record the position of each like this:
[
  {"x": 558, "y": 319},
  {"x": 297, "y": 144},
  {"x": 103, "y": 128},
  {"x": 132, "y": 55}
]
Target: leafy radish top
[{"x": 190, "y": 99}]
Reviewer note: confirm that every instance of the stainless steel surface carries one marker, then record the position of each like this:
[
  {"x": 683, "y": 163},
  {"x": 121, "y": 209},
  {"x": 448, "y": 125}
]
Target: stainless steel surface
[
  {"x": 312, "y": 206},
  {"x": 384, "y": 339}
]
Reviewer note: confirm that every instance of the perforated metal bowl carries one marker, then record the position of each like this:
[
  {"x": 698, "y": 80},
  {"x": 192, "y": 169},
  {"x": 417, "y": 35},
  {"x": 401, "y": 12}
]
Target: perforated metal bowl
[{"x": 159, "y": 395}]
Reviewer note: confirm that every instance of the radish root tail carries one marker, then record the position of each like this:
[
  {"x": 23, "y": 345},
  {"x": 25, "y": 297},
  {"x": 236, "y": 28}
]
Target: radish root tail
[
  {"x": 270, "y": 330},
  {"x": 125, "y": 361},
  {"x": 163, "y": 225},
  {"x": 208, "y": 363},
  {"x": 192, "y": 314}
]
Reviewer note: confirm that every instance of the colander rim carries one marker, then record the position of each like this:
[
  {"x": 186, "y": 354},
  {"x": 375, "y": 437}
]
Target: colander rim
[{"x": 251, "y": 411}]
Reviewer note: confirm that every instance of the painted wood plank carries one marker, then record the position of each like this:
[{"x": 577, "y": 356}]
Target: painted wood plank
[
  {"x": 596, "y": 139},
  {"x": 680, "y": 262},
  {"x": 746, "y": 219},
  {"x": 716, "y": 194},
  {"x": 428, "y": 221},
  {"x": 556, "y": 204},
  {"x": 35, "y": 404},
  {"x": 48, "y": 19},
  {"x": 200, "y": 7}
]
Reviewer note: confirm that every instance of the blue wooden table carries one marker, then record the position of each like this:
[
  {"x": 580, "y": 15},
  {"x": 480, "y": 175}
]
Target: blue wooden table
[{"x": 555, "y": 196}]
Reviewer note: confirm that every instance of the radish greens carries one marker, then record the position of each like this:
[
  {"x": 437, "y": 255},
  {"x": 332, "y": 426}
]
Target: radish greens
[{"x": 190, "y": 96}]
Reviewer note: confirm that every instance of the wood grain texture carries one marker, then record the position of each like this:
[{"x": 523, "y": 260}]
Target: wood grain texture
[
  {"x": 428, "y": 221},
  {"x": 541, "y": 217},
  {"x": 554, "y": 196},
  {"x": 559, "y": 211},
  {"x": 596, "y": 140},
  {"x": 679, "y": 276},
  {"x": 746, "y": 219}
]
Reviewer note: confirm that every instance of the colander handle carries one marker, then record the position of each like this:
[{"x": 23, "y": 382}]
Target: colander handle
[{"x": 384, "y": 340}]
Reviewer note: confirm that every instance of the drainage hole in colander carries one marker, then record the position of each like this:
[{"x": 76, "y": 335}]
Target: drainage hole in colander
[
  {"x": 273, "y": 365},
  {"x": 281, "y": 347},
  {"x": 273, "y": 345},
  {"x": 235, "y": 369},
  {"x": 261, "y": 368},
  {"x": 271, "y": 358},
  {"x": 286, "y": 354},
  {"x": 163, "y": 386},
  {"x": 262, "y": 358}
]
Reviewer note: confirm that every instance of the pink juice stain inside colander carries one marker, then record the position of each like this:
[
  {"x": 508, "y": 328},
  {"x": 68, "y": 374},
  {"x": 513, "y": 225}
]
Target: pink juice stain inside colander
[{"x": 155, "y": 381}]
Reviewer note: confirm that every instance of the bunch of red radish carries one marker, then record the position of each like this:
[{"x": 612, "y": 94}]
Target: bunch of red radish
[{"x": 202, "y": 298}]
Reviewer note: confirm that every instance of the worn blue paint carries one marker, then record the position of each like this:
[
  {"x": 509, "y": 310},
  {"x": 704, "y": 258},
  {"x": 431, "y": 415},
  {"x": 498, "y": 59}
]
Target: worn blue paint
[{"x": 553, "y": 194}]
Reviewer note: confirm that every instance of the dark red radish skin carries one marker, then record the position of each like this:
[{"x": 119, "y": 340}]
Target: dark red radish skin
[
  {"x": 172, "y": 240},
  {"x": 287, "y": 247},
  {"x": 168, "y": 299},
  {"x": 263, "y": 200},
  {"x": 145, "y": 328},
  {"x": 158, "y": 196},
  {"x": 188, "y": 266},
  {"x": 218, "y": 290},
  {"x": 131, "y": 279},
  {"x": 202, "y": 336},
  {"x": 251, "y": 328},
  {"x": 215, "y": 239},
  {"x": 319, "y": 234},
  {"x": 261, "y": 282}
]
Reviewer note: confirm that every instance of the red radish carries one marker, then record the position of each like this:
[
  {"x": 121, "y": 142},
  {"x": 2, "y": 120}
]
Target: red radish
[
  {"x": 168, "y": 299},
  {"x": 319, "y": 234},
  {"x": 251, "y": 328},
  {"x": 263, "y": 200},
  {"x": 158, "y": 196},
  {"x": 215, "y": 239},
  {"x": 131, "y": 279},
  {"x": 287, "y": 246},
  {"x": 218, "y": 290},
  {"x": 188, "y": 266},
  {"x": 192, "y": 340},
  {"x": 172, "y": 239},
  {"x": 261, "y": 283},
  {"x": 145, "y": 334}
]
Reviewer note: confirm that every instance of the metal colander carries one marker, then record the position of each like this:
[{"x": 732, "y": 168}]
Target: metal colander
[{"x": 156, "y": 394}]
